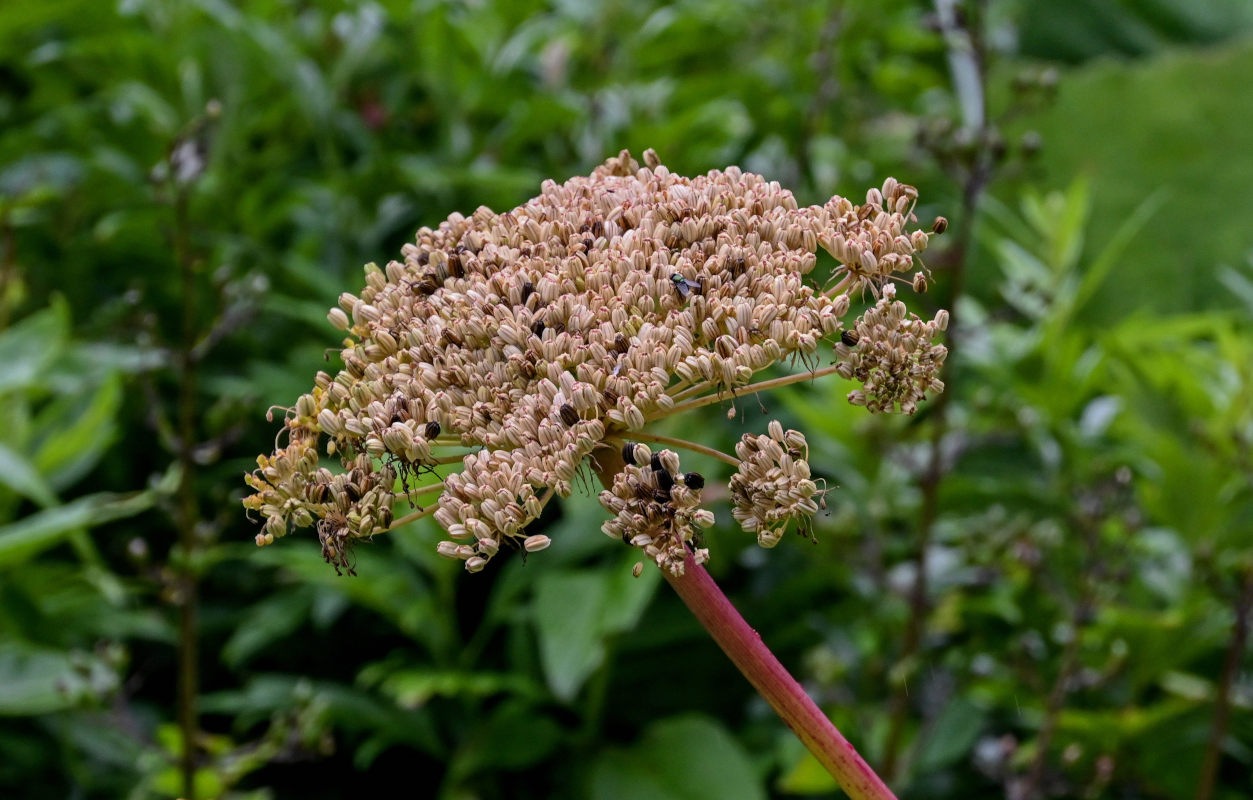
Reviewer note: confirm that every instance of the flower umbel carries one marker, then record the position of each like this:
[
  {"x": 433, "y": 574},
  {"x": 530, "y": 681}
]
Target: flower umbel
[{"x": 505, "y": 350}]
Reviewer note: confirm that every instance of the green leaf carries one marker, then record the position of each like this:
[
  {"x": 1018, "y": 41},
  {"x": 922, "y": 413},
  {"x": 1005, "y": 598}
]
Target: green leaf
[
  {"x": 515, "y": 736},
  {"x": 35, "y": 680},
  {"x": 569, "y": 620},
  {"x": 681, "y": 758},
  {"x": 74, "y": 433},
  {"x": 18, "y": 474},
  {"x": 30, "y": 346},
  {"x": 950, "y": 736},
  {"x": 268, "y": 621},
  {"x": 36, "y": 533}
]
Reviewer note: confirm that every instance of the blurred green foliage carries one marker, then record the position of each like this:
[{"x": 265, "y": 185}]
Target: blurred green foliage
[{"x": 185, "y": 187}]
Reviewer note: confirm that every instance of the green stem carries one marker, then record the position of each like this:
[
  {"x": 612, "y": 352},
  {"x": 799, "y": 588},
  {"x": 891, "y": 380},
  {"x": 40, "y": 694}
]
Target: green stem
[
  {"x": 1243, "y": 607},
  {"x": 187, "y": 513},
  {"x": 751, "y": 388},
  {"x": 684, "y": 444}
]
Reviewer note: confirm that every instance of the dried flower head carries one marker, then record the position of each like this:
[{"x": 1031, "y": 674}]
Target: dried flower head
[{"x": 509, "y": 348}]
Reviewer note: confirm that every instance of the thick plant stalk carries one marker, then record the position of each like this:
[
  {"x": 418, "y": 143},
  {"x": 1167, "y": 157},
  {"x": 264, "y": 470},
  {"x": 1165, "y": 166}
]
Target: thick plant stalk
[
  {"x": 758, "y": 664},
  {"x": 749, "y": 653}
]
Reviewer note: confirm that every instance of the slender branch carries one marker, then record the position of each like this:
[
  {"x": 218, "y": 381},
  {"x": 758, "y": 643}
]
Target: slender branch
[
  {"x": 1052, "y": 713},
  {"x": 416, "y": 515},
  {"x": 446, "y": 460},
  {"x": 421, "y": 490},
  {"x": 187, "y": 512},
  {"x": 691, "y": 390},
  {"x": 966, "y": 59},
  {"x": 751, "y": 388},
  {"x": 1222, "y": 702},
  {"x": 695, "y": 447}
]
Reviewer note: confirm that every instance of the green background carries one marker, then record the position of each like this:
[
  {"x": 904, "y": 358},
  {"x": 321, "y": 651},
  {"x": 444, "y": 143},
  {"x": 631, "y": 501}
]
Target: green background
[{"x": 1081, "y": 499}]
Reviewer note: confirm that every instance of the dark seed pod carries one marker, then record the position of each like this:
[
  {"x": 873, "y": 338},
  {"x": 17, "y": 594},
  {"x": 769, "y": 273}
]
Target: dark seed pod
[
  {"x": 628, "y": 453},
  {"x": 451, "y": 337},
  {"x": 694, "y": 480},
  {"x": 940, "y": 225},
  {"x": 528, "y": 289},
  {"x": 432, "y": 429},
  {"x": 353, "y": 491},
  {"x": 568, "y": 415},
  {"x": 621, "y": 344},
  {"x": 598, "y": 229},
  {"x": 427, "y": 285},
  {"x": 850, "y": 338},
  {"x": 665, "y": 481},
  {"x": 661, "y": 496},
  {"x": 537, "y": 327},
  {"x": 610, "y": 396},
  {"x": 656, "y": 462}
]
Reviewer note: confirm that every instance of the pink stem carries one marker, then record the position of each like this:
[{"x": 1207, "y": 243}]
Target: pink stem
[{"x": 744, "y": 647}]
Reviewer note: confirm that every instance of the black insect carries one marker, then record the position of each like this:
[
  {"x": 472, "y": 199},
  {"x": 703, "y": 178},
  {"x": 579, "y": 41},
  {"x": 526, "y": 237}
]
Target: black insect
[
  {"x": 850, "y": 338},
  {"x": 683, "y": 285},
  {"x": 432, "y": 429},
  {"x": 568, "y": 414},
  {"x": 665, "y": 481},
  {"x": 694, "y": 480}
]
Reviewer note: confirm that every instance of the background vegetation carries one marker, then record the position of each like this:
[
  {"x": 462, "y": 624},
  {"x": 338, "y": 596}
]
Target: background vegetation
[{"x": 1038, "y": 587}]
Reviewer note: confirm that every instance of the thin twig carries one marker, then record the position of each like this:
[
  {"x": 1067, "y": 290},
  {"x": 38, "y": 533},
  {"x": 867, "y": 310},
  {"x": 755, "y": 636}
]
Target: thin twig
[
  {"x": 684, "y": 444},
  {"x": 752, "y": 388},
  {"x": 1243, "y": 608},
  {"x": 187, "y": 512}
]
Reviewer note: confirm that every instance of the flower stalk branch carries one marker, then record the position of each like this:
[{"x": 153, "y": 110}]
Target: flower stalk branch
[
  {"x": 683, "y": 444},
  {"x": 744, "y": 646},
  {"x": 752, "y": 388}
]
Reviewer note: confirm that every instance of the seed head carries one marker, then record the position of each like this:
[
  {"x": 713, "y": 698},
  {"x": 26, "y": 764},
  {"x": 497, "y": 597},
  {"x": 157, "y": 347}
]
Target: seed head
[{"x": 520, "y": 342}]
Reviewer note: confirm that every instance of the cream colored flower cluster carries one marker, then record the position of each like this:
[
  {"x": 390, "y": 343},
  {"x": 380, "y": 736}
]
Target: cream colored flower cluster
[
  {"x": 504, "y": 349},
  {"x": 657, "y": 509},
  {"x": 772, "y": 486},
  {"x": 893, "y": 354}
]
